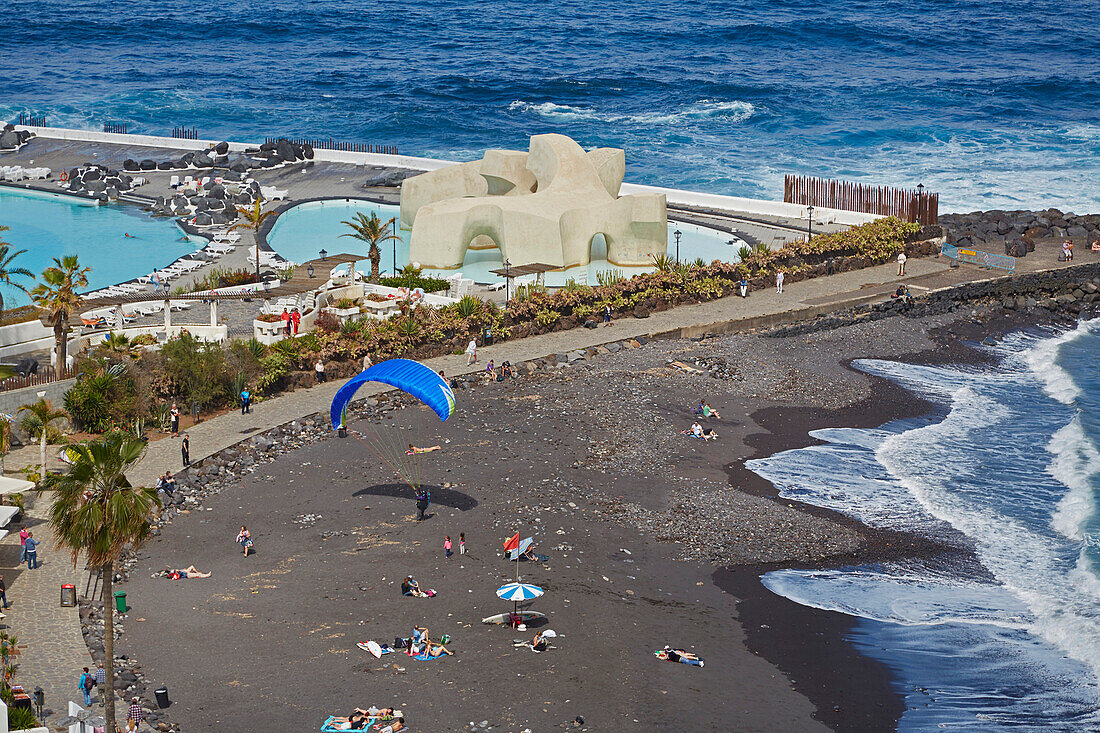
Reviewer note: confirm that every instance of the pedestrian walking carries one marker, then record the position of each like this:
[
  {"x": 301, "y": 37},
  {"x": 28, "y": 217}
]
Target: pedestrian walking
[
  {"x": 319, "y": 371},
  {"x": 296, "y": 319},
  {"x": 31, "y": 548},
  {"x": 244, "y": 539},
  {"x": 461, "y": 543},
  {"x": 23, "y": 545},
  {"x": 85, "y": 686},
  {"x": 175, "y": 417},
  {"x": 100, "y": 680},
  {"x": 744, "y": 285},
  {"x": 901, "y": 264},
  {"x": 246, "y": 401},
  {"x": 136, "y": 714},
  {"x": 447, "y": 546},
  {"x": 367, "y": 363},
  {"x": 285, "y": 318},
  {"x": 779, "y": 282},
  {"x": 471, "y": 352},
  {"x": 607, "y": 314},
  {"x": 4, "y": 593},
  {"x": 185, "y": 450}
]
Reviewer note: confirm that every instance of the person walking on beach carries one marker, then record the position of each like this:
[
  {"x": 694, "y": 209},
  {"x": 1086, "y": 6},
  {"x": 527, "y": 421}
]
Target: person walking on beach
[
  {"x": 246, "y": 401},
  {"x": 285, "y": 318},
  {"x": 901, "y": 264},
  {"x": 185, "y": 449},
  {"x": 461, "y": 544},
  {"x": 31, "y": 548},
  {"x": 296, "y": 319},
  {"x": 244, "y": 539},
  {"x": 319, "y": 370},
  {"x": 175, "y": 418},
  {"x": 85, "y": 686},
  {"x": 1067, "y": 250},
  {"x": 23, "y": 535},
  {"x": 447, "y": 546},
  {"x": 4, "y": 593},
  {"x": 779, "y": 282},
  {"x": 100, "y": 680},
  {"x": 471, "y": 352}
]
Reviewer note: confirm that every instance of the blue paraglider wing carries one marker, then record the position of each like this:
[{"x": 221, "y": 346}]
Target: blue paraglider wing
[{"x": 407, "y": 376}]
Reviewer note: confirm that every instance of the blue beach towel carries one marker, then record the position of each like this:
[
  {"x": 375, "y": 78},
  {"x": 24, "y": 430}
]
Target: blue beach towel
[
  {"x": 329, "y": 727},
  {"x": 426, "y": 658}
]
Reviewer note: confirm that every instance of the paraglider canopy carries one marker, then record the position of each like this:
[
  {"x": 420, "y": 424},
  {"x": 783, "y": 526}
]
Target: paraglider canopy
[{"x": 404, "y": 374}]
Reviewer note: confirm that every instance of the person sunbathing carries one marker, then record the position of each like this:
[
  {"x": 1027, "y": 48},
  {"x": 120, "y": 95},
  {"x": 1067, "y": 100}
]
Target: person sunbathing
[
  {"x": 710, "y": 434},
  {"x": 188, "y": 572},
  {"x": 413, "y": 450},
  {"x": 353, "y": 722},
  {"x": 679, "y": 655},
  {"x": 410, "y": 587},
  {"x": 396, "y": 725},
  {"x": 432, "y": 650}
]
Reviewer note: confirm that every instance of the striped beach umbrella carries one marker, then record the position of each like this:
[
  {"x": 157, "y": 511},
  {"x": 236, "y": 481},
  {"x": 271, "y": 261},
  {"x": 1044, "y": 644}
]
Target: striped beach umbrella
[{"x": 519, "y": 592}]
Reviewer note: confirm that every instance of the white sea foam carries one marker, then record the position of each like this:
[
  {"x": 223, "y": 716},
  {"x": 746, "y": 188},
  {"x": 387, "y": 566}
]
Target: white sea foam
[
  {"x": 1075, "y": 464},
  {"x": 1043, "y": 361},
  {"x": 731, "y": 111}
]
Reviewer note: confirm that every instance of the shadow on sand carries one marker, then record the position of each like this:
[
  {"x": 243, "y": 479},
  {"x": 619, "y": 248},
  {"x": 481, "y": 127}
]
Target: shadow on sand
[{"x": 444, "y": 497}]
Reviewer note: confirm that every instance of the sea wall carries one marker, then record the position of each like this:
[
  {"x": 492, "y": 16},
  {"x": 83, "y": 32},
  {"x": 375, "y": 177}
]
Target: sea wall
[{"x": 998, "y": 228}]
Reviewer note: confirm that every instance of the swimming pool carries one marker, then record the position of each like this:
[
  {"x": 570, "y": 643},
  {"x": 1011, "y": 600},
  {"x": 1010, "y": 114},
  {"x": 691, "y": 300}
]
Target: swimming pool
[
  {"x": 301, "y": 232},
  {"x": 49, "y": 226}
]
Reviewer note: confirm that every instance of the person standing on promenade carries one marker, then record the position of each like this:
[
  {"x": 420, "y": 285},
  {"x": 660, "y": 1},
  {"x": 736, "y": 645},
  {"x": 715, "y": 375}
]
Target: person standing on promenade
[
  {"x": 607, "y": 315},
  {"x": 100, "y": 680},
  {"x": 23, "y": 534},
  {"x": 285, "y": 318},
  {"x": 296, "y": 319},
  {"x": 901, "y": 263},
  {"x": 447, "y": 546},
  {"x": 779, "y": 282},
  {"x": 185, "y": 449},
  {"x": 319, "y": 370},
  {"x": 367, "y": 363},
  {"x": 4, "y": 593},
  {"x": 31, "y": 548},
  {"x": 136, "y": 714},
  {"x": 85, "y": 685},
  {"x": 175, "y": 417},
  {"x": 471, "y": 352},
  {"x": 744, "y": 285},
  {"x": 246, "y": 401}
]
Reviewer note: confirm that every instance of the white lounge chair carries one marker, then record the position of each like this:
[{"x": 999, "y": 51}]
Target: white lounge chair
[{"x": 174, "y": 182}]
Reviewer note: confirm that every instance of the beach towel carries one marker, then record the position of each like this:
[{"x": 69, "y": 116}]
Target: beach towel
[
  {"x": 426, "y": 658},
  {"x": 329, "y": 725},
  {"x": 684, "y": 367}
]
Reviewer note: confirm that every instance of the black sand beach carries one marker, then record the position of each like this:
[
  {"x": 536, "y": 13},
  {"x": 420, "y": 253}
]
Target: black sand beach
[{"x": 634, "y": 516}]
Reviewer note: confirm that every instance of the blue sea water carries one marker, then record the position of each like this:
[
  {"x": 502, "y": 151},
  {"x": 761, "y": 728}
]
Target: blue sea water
[
  {"x": 1011, "y": 469},
  {"x": 993, "y": 103}
]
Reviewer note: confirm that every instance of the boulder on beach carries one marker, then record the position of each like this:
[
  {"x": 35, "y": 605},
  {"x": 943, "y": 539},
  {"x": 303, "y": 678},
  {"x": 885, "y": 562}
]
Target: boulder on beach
[
  {"x": 202, "y": 160},
  {"x": 307, "y": 151},
  {"x": 285, "y": 150},
  {"x": 148, "y": 165},
  {"x": 9, "y": 140},
  {"x": 221, "y": 148}
]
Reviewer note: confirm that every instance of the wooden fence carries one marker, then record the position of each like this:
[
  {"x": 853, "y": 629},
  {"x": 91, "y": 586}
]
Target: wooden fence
[
  {"x": 25, "y": 120},
  {"x": 907, "y": 204},
  {"x": 185, "y": 133},
  {"x": 340, "y": 145},
  {"x": 44, "y": 376},
  {"x": 116, "y": 127}
]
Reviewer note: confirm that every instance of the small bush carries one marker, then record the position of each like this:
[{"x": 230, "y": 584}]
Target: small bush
[
  {"x": 326, "y": 322},
  {"x": 429, "y": 284}
]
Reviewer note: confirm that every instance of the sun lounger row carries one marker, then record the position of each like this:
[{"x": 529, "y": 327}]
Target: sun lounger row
[{"x": 19, "y": 173}]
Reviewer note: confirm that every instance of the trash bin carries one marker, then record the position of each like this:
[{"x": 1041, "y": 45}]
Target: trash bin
[
  {"x": 68, "y": 595},
  {"x": 161, "y": 694},
  {"x": 120, "y": 601}
]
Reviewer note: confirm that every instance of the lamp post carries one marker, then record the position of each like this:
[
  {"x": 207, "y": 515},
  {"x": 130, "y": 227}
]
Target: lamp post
[
  {"x": 309, "y": 270},
  {"x": 677, "y": 234},
  {"x": 394, "y": 222},
  {"x": 920, "y": 203},
  {"x": 809, "y": 222},
  {"x": 507, "y": 282}
]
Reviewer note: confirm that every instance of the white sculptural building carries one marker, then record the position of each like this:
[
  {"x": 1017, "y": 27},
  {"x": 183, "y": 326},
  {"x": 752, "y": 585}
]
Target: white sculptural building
[{"x": 544, "y": 206}]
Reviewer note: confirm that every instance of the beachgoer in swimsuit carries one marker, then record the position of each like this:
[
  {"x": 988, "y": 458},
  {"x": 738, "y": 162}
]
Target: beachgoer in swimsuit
[
  {"x": 188, "y": 572},
  {"x": 244, "y": 539},
  {"x": 679, "y": 655},
  {"x": 413, "y": 450},
  {"x": 436, "y": 650}
]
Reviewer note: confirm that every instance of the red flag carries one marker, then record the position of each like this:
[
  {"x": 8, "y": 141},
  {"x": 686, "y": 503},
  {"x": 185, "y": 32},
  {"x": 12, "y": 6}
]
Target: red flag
[{"x": 512, "y": 542}]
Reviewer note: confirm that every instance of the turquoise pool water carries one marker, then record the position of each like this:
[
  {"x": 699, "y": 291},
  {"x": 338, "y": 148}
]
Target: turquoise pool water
[
  {"x": 303, "y": 231},
  {"x": 52, "y": 226}
]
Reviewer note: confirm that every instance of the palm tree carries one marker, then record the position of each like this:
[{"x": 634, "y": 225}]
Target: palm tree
[
  {"x": 98, "y": 514},
  {"x": 39, "y": 423},
  {"x": 57, "y": 295},
  {"x": 373, "y": 232},
  {"x": 7, "y": 271},
  {"x": 253, "y": 218}
]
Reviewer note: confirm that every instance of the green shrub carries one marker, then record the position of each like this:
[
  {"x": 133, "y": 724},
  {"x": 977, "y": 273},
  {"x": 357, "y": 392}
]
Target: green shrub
[
  {"x": 102, "y": 396},
  {"x": 468, "y": 306},
  {"x": 274, "y": 367},
  {"x": 195, "y": 368},
  {"x": 326, "y": 322},
  {"x": 429, "y": 284},
  {"x": 21, "y": 719},
  {"x": 143, "y": 339}
]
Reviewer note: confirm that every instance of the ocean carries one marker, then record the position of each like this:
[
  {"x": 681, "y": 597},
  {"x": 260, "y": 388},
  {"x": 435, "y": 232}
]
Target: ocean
[
  {"x": 1008, "y": 468},
  {"x": 992, "y": 103}
]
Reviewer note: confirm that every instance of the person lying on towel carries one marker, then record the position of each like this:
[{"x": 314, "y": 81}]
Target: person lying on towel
[
  {"x": 413, "y": 450},
  {"x": 679, "y": 655}
]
